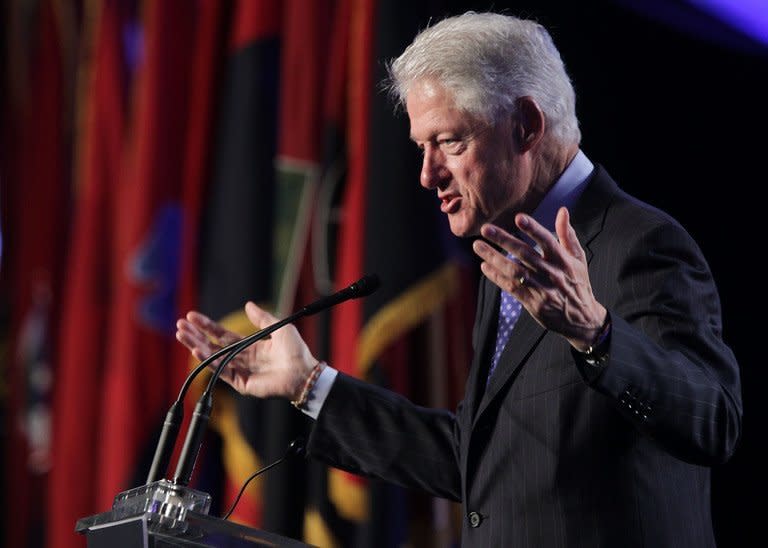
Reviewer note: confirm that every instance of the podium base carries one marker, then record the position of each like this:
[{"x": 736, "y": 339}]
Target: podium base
[{"x": 165, "y": 503}]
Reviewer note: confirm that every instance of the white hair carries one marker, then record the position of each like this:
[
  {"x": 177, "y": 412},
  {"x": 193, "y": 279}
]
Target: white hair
[{"x": 487, "y": 61}]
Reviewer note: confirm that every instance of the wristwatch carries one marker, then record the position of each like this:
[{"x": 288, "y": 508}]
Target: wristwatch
[{"x": 598, "y": 352}]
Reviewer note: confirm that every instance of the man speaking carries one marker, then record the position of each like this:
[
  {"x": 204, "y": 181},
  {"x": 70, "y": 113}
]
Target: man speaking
[{"x": 600, "y": 391}]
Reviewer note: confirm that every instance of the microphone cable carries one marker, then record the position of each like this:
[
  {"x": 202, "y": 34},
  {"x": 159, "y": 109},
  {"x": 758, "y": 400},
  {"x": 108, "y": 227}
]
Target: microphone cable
[{"x": 295, "y": 449}]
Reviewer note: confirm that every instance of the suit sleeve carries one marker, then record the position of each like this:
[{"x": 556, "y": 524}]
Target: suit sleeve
[
  {"x": 669, "y": 371},
  {"x": 373, "y": 432}
]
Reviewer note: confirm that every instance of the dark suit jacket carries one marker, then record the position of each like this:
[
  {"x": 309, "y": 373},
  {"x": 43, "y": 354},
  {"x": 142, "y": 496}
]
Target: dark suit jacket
[{"x": 555, "y": 454}]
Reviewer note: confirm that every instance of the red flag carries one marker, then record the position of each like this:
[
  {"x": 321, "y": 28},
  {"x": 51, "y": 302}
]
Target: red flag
[
  {"x": 35, "y": 181},
  {"x": 88, "y": 289},
  {"x": 390, "y": 227},
  {"x": 345, "y": 490},
  {"x": 147, "y": 224},
  {"x": 208, "y": 51},
  {"x": 348, "y": 320},
  {"x": 236, "y": 235}
]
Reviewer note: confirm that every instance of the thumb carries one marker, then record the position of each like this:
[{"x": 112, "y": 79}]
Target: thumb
[
  {"x": 566, "y": 234},
  {"x": 259, "y": 317}
]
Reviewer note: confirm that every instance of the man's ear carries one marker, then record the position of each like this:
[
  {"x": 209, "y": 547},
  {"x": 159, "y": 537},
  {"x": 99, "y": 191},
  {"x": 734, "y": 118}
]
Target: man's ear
[{"x": 529, "y": 123}]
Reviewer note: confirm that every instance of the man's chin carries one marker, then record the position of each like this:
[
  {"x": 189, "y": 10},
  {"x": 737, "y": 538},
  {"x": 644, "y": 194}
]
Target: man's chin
[{"x": 462, "y": 229}]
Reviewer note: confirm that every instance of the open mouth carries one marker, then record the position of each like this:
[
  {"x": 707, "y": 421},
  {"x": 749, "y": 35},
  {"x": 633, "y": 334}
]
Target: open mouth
[{"x": 450, "y": 204}]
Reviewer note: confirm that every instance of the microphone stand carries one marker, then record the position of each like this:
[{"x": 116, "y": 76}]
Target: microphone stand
[
  {"x": 168, "y": 502},
  {"x": 361, "y": 288}
]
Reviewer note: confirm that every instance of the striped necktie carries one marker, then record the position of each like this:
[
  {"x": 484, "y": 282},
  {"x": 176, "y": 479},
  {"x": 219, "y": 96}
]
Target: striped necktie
[{"x": 509, "y": 312}]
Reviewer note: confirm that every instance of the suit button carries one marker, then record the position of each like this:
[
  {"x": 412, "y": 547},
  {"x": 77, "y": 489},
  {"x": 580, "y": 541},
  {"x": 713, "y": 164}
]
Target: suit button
[{"x": 474, "y": 519}]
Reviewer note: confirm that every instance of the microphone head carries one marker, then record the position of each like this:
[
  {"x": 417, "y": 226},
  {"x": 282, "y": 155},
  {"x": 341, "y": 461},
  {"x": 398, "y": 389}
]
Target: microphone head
[{"x": 365, "y": 285}]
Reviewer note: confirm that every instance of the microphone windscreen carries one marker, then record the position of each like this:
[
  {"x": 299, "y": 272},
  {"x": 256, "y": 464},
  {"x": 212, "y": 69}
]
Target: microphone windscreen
[{"x": 366, "y": 285}]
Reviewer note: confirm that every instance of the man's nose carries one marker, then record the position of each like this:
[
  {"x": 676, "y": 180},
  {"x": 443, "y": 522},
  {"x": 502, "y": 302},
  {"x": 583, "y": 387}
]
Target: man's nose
[{"x": 433, "y": 169}]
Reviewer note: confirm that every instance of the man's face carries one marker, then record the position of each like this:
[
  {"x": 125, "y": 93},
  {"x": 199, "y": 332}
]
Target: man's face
[{"x": 472, "y": 165}]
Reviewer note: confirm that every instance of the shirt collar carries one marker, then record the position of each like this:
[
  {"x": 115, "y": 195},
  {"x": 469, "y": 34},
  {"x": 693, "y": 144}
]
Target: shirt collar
[{"x": 565, "y": 191}]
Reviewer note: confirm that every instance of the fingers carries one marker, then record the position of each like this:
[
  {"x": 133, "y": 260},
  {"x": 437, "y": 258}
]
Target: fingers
[
  {"x": 560, "y": 255},
  {"x": 551, "y": 246},
  {"x": 212, "y": 329},
  {"x": 536, "y": 231},
  {"x": 511, "y": 276},
  {"x": 518, "y": 248},
  {"x": 203, "y": 336},
  {"x": 197, "y": 342}
]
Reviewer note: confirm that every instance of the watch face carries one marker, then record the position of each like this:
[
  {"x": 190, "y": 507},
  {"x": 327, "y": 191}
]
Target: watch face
[{"x": 597, "y": 361}]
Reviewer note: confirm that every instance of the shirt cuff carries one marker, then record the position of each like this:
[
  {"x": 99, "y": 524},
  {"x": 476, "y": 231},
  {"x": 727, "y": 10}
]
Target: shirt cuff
[{"x": 320, "y": 392}]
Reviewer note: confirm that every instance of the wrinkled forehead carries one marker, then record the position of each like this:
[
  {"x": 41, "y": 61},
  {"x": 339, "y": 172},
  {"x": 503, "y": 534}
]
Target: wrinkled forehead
[
  {"x": 429, "y": 89},
  {"x": 432, "y": 109},
  {"x": 462, "y": 98}
]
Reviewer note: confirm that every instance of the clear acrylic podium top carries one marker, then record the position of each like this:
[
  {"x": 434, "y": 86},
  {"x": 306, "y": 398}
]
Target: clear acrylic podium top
[{"x": 163, "y": 514}]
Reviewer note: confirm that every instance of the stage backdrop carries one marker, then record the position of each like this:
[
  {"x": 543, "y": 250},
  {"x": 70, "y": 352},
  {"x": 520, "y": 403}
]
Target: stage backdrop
[{"x": 158, "y": 157}]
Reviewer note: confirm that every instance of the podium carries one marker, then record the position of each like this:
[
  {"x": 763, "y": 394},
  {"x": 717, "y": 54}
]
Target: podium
[
  {"x": 163, "y": 515},
  {"x": 201, "y": 530}
]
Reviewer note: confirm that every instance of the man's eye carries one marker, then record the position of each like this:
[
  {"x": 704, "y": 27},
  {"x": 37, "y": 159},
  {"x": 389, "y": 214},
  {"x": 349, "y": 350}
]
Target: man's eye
[{"x": 451, "y": 145}]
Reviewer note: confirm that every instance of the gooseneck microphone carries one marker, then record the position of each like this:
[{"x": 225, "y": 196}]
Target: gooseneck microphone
[{"x": 361, "y": 288}]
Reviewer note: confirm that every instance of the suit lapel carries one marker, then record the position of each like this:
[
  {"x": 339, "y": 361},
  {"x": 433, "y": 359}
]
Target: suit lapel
[
  {"x": 588, "y": 213},
  {"x": 488, "y": 321},
  {"x": 587, "y": 217},
  {"x": 524, "y": 338}
]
